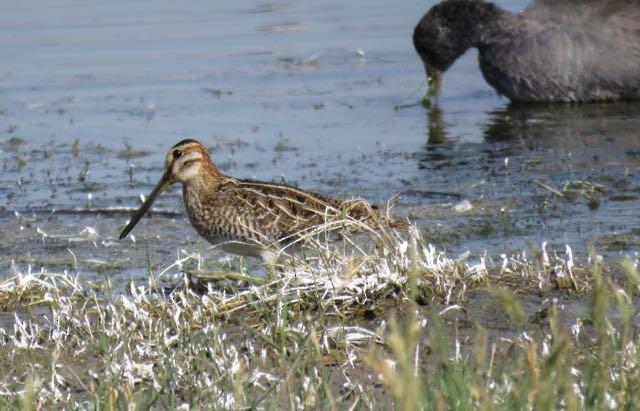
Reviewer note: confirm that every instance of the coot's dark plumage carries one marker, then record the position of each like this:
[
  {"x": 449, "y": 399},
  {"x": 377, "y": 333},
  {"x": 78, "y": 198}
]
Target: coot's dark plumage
[{"x": 555, "y": 50}]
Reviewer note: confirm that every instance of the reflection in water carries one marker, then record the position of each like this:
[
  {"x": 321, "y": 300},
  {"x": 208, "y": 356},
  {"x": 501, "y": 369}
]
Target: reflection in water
[
  {"x": 564, "y": 174},
  {"x": 436, "y": 132},
  {"x": 593, "y": 133},
  {"x": 438, "y": 148}
]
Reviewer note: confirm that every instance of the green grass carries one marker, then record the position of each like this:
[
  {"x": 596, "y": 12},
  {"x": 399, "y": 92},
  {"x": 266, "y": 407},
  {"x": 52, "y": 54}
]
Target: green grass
[{"x": 364, "y": 327}]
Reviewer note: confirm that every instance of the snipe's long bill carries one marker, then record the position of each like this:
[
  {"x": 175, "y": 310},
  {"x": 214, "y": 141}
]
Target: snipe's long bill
[{"x": 245, "y": 217}]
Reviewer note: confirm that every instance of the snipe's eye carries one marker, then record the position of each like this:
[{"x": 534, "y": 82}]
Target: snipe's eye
[{"x": 177, "y": 154}]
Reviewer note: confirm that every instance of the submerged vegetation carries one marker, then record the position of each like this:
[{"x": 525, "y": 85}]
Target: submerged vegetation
[{"x": 354, "y": 327}]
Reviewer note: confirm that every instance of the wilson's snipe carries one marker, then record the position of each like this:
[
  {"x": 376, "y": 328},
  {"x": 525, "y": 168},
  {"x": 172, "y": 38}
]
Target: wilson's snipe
[{"x": 246, "y": 217}]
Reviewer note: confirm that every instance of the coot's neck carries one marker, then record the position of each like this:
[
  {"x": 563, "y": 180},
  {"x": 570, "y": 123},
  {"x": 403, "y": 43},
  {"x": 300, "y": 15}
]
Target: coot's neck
[{"x": 480, "y": 23}]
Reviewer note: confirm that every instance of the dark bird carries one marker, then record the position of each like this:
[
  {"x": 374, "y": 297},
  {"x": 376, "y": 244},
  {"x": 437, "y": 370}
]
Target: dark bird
[
  {"x": 245, "y": 217},
  {"x": 567, "y": 51}
]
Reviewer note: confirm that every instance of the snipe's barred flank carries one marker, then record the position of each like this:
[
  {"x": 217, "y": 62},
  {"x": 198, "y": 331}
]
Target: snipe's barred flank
[{"x": 249, "y": 218}]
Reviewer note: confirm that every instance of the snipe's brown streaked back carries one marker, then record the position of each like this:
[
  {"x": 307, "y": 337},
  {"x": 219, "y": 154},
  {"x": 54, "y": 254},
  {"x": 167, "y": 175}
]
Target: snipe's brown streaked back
[{"x": 247, "y": 217}]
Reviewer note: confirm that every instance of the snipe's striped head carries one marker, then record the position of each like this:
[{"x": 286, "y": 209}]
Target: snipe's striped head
[{"x": 186, "y": 161}]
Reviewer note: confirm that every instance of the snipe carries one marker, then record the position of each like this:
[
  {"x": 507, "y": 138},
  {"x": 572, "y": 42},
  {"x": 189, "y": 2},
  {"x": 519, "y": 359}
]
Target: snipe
[{"x": 245, "y": 217}]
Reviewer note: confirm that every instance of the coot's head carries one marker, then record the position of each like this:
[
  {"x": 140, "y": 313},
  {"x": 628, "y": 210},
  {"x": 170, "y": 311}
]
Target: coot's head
[{"x": 448, "y": 30}]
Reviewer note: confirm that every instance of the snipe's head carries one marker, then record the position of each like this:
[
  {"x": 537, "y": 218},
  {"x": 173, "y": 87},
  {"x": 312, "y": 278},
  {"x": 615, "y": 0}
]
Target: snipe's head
[{"x": 186, "y": 162}]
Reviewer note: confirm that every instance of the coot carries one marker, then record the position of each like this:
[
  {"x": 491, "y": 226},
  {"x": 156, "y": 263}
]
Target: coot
[{"x": 571, "y": 51}]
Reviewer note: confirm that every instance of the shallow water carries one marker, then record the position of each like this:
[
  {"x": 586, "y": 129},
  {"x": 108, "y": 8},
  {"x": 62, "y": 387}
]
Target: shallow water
[{"x": 323, "y": 95}]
